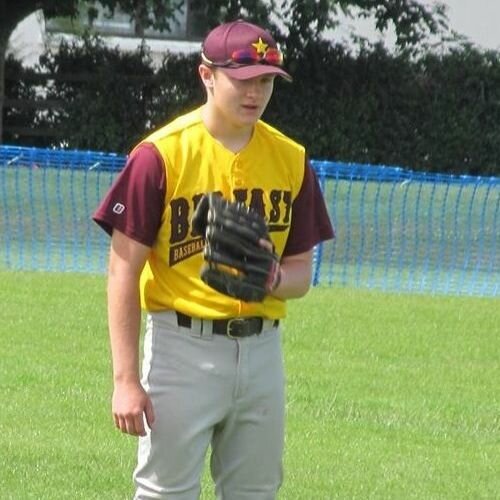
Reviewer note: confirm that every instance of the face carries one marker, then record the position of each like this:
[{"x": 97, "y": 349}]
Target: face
[{"x": 239, "y": 102}]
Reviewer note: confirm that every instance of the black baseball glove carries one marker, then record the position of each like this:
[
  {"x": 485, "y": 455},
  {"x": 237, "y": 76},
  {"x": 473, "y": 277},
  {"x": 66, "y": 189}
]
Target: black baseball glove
[{"x": 235, "y": 262}]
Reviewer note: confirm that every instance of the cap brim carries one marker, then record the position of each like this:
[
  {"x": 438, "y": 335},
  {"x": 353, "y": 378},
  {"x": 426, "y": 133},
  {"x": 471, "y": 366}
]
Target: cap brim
[{"x": 247, "y": 72}]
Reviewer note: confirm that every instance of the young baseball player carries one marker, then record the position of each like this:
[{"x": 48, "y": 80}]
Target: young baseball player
[{"x": 212, "y": 372}]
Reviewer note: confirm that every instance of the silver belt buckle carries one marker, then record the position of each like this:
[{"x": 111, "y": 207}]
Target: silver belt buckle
[{"x": 230, "y": 323}]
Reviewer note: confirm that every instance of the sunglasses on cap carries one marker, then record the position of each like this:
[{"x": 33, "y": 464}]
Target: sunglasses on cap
[{"x": 245, "y": 57}]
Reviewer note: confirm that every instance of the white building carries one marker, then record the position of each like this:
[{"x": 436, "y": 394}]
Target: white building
[{"x": 34, "y": 35}]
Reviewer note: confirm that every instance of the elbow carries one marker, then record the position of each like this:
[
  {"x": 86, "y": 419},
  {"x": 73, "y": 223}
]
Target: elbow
[
  {"x": 295, "y": 292},
  {"x": 303, "y": 284},
  {"x": 302, "y": 290}
]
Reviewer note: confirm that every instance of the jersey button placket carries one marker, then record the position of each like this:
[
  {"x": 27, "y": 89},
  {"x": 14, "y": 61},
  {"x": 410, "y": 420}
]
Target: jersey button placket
[
  {"x": 237, "y": 174},
  {"x": 238, "y": 183}
]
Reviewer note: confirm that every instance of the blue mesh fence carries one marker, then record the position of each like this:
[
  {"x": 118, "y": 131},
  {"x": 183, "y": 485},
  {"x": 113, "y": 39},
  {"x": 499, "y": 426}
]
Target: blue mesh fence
[
  {"x": 397, "y": 230},
  {"x": 400, "y": 230}
]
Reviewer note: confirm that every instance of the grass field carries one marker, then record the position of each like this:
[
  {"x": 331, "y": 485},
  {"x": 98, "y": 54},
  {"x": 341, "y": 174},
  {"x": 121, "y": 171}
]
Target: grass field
[{"x": 389, "y": 396}]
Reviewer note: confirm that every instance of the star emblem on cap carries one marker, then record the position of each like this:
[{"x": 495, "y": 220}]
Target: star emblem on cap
[{"x": 260, "y": 46}]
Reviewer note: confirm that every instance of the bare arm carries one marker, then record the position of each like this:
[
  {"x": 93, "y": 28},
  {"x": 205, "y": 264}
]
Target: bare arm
[
  {"x": 130, "y": 402},
  {"x": 296, "y": 274}
]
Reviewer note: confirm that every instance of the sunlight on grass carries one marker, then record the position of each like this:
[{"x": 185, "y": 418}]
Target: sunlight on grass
[{"x": 389, "y": 396}]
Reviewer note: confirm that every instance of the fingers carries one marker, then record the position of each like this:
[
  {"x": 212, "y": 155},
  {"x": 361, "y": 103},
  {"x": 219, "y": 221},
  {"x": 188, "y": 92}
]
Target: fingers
[
  {"x": 274, "y": 278},
  {"x": 130, "y": 414},
  {"x": 132, "y": 424},
  {"x": 266, "y": 244},
  {"x": 150, "y": 414}
]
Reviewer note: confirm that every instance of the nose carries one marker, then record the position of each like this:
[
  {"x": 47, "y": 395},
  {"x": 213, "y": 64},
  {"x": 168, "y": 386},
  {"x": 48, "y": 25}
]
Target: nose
[{"x": 253, "y": 88}]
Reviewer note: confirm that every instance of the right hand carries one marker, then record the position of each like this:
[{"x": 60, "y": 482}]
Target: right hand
[{"x": 130, "y": 405}]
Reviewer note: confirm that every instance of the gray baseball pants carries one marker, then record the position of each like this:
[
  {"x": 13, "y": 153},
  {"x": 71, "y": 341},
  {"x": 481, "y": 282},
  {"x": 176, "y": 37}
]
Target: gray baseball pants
[{"x": 210, "y": 389}]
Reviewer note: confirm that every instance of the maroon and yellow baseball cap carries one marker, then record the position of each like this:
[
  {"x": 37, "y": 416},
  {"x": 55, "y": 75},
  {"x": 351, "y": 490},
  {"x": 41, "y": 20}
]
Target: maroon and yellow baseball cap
[{"x": 243, "y": 50}]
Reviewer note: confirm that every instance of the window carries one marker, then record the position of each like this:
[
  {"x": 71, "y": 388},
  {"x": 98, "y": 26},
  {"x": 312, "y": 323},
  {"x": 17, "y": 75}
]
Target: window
[{"x": 121, "y": 24}]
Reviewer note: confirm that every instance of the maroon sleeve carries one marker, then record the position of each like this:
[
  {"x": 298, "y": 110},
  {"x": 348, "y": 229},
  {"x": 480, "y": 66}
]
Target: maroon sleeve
[
  {"x": 135, "y": 202},
  {"x": 310, "y": 221}
]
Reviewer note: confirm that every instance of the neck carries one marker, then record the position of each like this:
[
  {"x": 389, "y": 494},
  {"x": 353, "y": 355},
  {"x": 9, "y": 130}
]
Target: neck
[{"x": 232, "y": 136}]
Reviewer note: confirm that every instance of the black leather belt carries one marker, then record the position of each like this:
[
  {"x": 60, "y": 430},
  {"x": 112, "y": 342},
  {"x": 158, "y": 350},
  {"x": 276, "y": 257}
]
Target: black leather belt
[{"x": 232, "y": 327}]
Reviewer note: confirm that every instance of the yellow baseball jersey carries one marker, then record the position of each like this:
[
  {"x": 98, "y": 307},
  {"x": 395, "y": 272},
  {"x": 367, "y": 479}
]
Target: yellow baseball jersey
[{"x": 266, "y": 175}]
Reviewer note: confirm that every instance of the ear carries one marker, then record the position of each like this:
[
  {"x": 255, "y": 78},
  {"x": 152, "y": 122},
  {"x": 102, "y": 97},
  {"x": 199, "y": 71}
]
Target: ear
[{"x": 206, "y": 75}]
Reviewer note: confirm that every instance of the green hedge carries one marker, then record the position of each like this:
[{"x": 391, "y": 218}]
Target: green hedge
[
  {"x": 440, "y": 113},
  {"x": 436, "y": 113}
]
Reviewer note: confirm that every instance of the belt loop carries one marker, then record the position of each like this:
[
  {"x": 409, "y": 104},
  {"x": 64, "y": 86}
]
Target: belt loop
[
  {"x": 270, "y": 324},
  {"x": 196, "y": 329},
  {"x": 206, "y": 329}
]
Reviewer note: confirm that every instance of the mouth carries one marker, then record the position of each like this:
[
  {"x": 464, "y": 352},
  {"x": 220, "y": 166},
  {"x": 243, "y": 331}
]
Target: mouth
[{"x": 251, "y": 107}]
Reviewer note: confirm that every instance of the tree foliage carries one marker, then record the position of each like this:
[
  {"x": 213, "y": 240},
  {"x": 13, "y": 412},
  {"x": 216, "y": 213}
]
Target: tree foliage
[
  {"x": 108, "y": 104},
  {"x": 296, "y": 22},
  {"x": 155, "y": 13},
  {"x": 435, "y": 113},
  {"x": 412, "y": 108}
]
